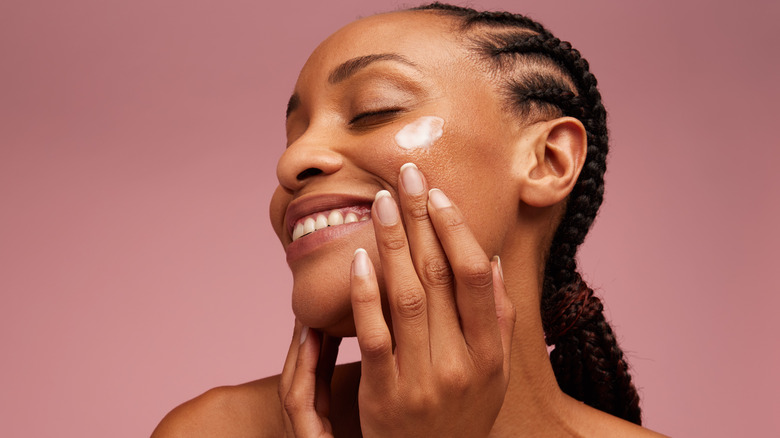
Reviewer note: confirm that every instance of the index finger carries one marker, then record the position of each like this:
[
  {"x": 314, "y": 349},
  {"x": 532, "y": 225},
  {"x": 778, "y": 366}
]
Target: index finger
[
  {"x": 473, "y": 274},
  {"x": 429, "y": 259},
  {"x": 405, "y": 295}
]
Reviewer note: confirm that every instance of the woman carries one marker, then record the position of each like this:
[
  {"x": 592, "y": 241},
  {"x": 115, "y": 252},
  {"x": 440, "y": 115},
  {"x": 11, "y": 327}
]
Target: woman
[{"x": 442, "y": 168}]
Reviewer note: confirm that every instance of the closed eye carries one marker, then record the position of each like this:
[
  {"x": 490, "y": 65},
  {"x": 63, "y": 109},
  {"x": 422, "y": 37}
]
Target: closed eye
[{"x": 374, "y": 116}]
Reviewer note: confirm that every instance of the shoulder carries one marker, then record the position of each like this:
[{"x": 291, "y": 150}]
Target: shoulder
[
  {"x": 592, "y": 422},
  {"x": 250, "y": 409},
  {"x": 253, "y": 409}
]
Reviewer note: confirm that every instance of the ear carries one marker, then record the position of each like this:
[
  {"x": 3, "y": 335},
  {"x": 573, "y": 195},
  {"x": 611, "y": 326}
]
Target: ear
[{"x": 553, "y": 161}]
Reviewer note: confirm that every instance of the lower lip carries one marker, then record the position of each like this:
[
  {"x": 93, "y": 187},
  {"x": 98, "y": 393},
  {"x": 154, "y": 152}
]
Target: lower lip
[{"x": 305, "y": 245}]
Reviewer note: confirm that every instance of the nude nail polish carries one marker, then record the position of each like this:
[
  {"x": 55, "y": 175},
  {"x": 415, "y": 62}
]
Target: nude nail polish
[
  {"x": 439, "y": 199},
  {"x": 304, "y": 333},
  {"x": 385, "y": 208},
  {"x": 412, "y": 179},
  {"x": 361, "y": 263}
]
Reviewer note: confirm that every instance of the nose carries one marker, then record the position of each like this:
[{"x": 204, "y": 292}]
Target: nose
[{"x": 307, "y": 158}]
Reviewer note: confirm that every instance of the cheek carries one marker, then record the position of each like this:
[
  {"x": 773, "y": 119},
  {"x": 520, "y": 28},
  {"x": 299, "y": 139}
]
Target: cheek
[
  {"x": 423, "y": 142},
  {"x": 472, "y": 163},
  {"x": 277, "y": 209},
  {"x": 420, "y": 134}
]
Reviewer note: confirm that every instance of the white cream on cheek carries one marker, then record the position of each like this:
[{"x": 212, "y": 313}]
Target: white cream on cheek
[{"x": 421, "y": 133}]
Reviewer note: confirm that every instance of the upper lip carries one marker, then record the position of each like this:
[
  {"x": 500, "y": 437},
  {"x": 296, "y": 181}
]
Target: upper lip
[{"x": 310, "y": 204}]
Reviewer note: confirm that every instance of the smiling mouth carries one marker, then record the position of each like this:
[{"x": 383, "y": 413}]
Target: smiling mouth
[{"x": 330, "y": 218}]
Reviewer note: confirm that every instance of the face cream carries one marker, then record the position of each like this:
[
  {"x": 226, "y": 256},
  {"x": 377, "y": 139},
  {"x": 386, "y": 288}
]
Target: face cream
[{"x": 421, "y": 133}]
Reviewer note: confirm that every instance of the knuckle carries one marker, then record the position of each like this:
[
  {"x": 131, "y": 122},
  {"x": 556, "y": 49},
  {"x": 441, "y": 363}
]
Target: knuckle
[
  {"x": 393, "y": 243},
  {"x": 384, "y": 412},
  {"x": 292, "y": 403},
  {"x": 410, "y": 303},
  {"x": 477, "y": 274},
  {"x": 375, "y": 345},
  {"x": 455, "y": 378},
  {"x": 455, "y": 223},
  {"x": 364, "y": 297},
  {"x": 417, "y": 211},
  {"x": 419, "y": 402},
  {"x": 437, "y": 272}
]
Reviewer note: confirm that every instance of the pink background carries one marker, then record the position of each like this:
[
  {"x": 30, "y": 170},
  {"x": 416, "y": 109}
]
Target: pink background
[{"x": 138, "y": 142}]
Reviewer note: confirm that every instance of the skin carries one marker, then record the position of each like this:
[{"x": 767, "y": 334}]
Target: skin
[{"x": 451, "y": 342}]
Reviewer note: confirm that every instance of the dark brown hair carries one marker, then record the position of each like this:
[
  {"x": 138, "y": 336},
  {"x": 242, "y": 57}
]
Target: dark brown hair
[{"x": 544, "y": 77}]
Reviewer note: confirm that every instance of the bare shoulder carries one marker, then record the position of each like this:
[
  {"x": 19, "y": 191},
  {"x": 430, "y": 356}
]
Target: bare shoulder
[
  {"x": 616, "y": 427},
  {"x": 592, "y": 422},
  {"x": 253, "y": 409},
  {"x": 248, "y": 410}
]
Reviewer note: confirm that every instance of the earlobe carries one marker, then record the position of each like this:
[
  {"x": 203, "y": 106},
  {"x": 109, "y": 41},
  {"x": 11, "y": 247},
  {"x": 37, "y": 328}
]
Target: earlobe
[{"x": 559, "y": 148}]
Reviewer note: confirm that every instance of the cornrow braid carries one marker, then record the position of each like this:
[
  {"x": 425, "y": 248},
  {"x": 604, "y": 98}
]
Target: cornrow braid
[{"x": 546, "y": 78}]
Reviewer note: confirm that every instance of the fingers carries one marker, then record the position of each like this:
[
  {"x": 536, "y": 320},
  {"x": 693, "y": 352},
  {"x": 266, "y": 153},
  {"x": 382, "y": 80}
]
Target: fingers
[
  {"x": 287, "y": 371},
  {"x": 325, "y": 366},
  {"x": 405, "y": 295},
  {"x": 428, "y": 256},
  {"x": 505, "y": 313},
  {"x": 299, "y": 401},
  {"x": 472, "y": 271},
  {"x": 376, "y": 345},
  {"x": 436, "y": 276},
  {"x": 438, "y": 281},
  {"x": 289, "y": 362},
  {"x": 300, "y": 391}
]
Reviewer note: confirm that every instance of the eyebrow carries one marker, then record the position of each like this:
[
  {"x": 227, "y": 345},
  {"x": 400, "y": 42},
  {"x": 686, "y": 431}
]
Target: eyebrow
[
  {"x": 354, "y": 65},
  {"x": 349, "y": 68}
]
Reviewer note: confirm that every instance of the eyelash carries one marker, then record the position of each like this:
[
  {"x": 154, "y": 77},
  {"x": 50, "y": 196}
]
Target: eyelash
[{"x": 385, "y": 112}]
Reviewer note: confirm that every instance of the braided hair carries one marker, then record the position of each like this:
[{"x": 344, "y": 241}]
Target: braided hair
[{"x": 543, "y": 77}]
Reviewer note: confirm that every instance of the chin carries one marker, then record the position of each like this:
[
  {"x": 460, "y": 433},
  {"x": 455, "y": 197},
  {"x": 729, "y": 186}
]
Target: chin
[
  {"x": 321, "y": 278},
  {"x": 321, "y": 300}
]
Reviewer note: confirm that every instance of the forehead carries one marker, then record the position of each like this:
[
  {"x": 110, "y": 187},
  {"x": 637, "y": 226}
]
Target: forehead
[{"x": 427, "y": 39}]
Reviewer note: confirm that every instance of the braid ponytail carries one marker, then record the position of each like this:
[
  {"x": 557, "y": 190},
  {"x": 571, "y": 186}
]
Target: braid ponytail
[
  {"x": 579, "y": 330},
  {"x": 545, "y": 77}
]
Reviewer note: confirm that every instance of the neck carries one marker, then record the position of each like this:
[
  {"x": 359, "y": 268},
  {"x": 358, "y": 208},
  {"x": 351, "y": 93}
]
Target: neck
[{"x": 533, "y": 403}]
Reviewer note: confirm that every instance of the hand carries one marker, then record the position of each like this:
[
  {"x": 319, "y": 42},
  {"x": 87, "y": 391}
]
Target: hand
[
  {"x": 304, "y": 388},
  {"x": 451, "y": 320}
]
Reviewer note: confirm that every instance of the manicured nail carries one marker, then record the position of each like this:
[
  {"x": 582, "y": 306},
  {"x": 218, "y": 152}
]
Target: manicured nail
[
  {"x": 439, "y": 199},
  {"x": 361, "y": 263},
  {"x": 385, "y": 208},
  {"x": 497, "y": 259},
  {"x": 304, "y": 333},
  {"x": 411, "y": 179}
]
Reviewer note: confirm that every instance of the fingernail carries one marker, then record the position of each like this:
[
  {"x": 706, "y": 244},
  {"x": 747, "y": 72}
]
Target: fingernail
[
  {"x": 411, "y": 179},
  {"x": 439, "y": 199},
  {"x": 497, "y": 259},
  {"x": 361, "y": 268},
  {"x": 304, "y": 333},
  {"x": 385, "y": 208},
  {"x": 497, "y": 295}
]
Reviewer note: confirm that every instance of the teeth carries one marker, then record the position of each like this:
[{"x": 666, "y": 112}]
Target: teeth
[
  {"x": 308, "y": 226},
  {"x": 321, "y": 222},
  {"x": 335, "y": 218},
  {"x": 298, "y": 232}
]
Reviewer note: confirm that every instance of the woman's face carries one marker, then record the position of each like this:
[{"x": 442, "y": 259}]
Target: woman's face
[{"x": 381, "y": 92}]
